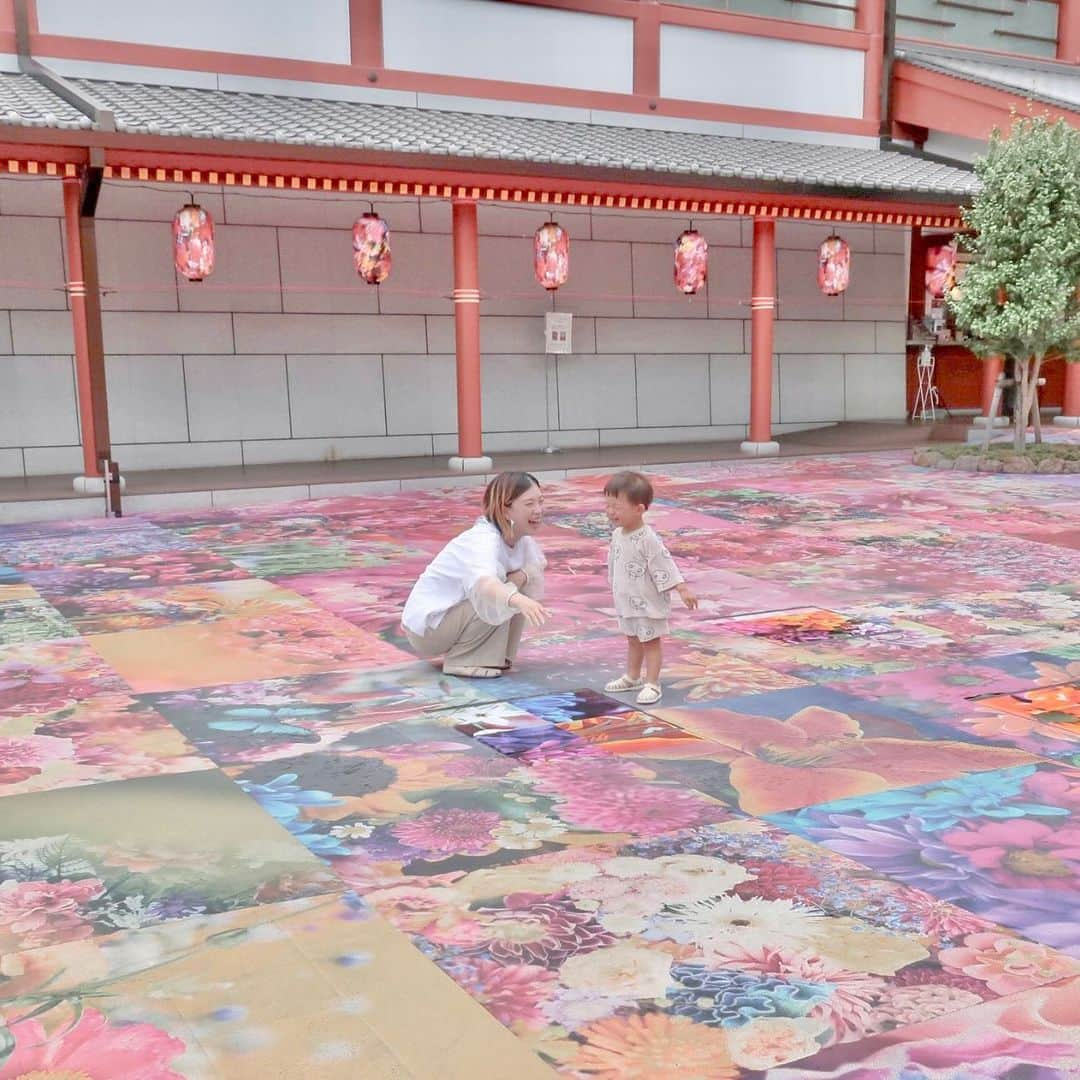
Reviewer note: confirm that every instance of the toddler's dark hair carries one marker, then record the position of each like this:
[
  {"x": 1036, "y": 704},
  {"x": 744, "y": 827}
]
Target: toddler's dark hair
[{"x": 633, "y": 485}]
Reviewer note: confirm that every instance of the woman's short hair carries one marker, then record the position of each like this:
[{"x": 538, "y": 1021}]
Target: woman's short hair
[
  {"x": 633, "y": 485},
  {"x": 501, "y": 492}
]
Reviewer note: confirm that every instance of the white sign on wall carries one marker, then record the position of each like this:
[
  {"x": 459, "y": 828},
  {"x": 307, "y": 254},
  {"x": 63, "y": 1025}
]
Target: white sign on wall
[{"x": 557, "y": 330}]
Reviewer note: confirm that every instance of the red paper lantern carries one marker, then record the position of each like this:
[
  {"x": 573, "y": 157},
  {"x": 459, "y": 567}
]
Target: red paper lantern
[
  {"x": 940, "y": 269},
  {"x": 691, "y": 261},
  {"x": 551, "y": 255},
  {"x": 193, "y": 242},
  {"x": 371, "y": 248},
  {"x": 834, "y": 266}
]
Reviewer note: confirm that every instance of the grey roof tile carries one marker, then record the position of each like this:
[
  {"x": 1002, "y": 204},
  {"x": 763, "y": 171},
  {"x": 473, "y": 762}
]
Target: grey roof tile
[
  {"x": 194, "y": 113},
  {"x": 25, "y": 102}
]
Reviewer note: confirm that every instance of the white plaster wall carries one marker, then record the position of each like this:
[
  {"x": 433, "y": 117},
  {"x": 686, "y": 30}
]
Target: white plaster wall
[
  {"x": 255, "y": 27},
  {"x": 489, "y": 39},
  {"x": 765, "y": 73},
  {"x": 285, "y": 355}
]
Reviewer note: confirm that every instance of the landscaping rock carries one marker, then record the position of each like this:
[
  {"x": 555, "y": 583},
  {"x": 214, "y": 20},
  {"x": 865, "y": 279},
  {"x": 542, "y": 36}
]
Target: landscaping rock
[
  {"x": 991, "y": 465},
  {"x": 1071, "y": 467},
  {"x": 1049, "y": 465},
  {"x": 1018, "y": 465},
  {"x": 967, "y": 463}
]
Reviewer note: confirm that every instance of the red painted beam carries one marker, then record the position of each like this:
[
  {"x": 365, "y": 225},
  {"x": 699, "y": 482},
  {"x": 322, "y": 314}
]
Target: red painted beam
[
  {"x": 940, "y": 102},
  {"x": 256, "y": 165}
]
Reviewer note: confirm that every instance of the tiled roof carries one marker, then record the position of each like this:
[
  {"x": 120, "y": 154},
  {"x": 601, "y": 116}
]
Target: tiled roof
[
  {"x": 25, "y": 102},
  {"x": 460, "y": 137},
  {"x": 1058, "y": 87}
]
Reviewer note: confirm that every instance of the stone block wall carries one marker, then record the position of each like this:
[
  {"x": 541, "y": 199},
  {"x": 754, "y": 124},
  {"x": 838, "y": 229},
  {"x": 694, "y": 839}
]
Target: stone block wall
[{"x": 285, "y": 355}]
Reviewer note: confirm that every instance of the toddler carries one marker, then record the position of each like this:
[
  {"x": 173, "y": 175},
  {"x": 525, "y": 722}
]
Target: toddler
[{"x": 642, "y": 576}]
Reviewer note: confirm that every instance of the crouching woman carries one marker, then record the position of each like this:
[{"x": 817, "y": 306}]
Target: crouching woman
[{"x": 472, "y": 602}]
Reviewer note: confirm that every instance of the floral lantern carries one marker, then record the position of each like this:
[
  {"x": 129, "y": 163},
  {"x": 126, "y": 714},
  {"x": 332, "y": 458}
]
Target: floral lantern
[
  {"x": 940, "y": 269},
  {"x": 551, "y": 255},
  {"x": 193, "y": 242},
  {"x": 371, "y": 248},
  {"x": 691, "y": 261},
  {"x": 834, "y": 266}
]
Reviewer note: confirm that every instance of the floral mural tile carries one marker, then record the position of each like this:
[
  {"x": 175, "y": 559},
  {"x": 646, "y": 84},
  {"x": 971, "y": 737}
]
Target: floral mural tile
[
  {"x": 634, "y": 734},
  {"x": 52, "y": 547},
  {"x": 1003, "y": 844},
  {"x": 295, "y": 989},
  {"x": 726, "y": 949},
  {"x": 193, "y": 654},
  {"x": 41, "y": 677},
  {"x": 799, "y": 625},
  {"x": 1032, "y": 1035},
  {"x": 939, "y": 692},
  {"x": 696, "y": 672},
  {"x": 572, "y": 705},
  {"x": 882, "y": 669},
  {"x": 564, "y": 658},
  {"x": 163, "y": 606},
  {"x": 137, "y": 571},
  {"x": 88, "y": 741},
  {"x": 368, "y": 598},
  {"x": 92, "y": 860},
  {"x": 31, "y": 619},
  {"x": 435, "y": 801},
  {"x": 1038, "y": 667},
  {"x": 1010, "y": 720},
  {"x": 260, "y": 721},
  {"x": 1040, "y": 705},
  {"x": 283, "y": 558},
  {"x": 797, "y": 748},
  {"x": 13, "y": 586}
]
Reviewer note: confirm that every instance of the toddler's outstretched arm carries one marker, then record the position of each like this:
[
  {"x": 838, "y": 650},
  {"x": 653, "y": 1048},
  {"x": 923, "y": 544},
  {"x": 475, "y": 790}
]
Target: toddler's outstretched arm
[{"x": 687, "y": 595}]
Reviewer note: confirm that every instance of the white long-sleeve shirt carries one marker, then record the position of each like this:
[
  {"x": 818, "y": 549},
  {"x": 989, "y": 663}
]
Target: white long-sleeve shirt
[{"x": 473, "y": 566}]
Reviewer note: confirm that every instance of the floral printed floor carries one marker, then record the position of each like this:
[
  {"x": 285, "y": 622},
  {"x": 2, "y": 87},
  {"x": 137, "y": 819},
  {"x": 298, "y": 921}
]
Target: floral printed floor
[{"x": 244, "y": 833}]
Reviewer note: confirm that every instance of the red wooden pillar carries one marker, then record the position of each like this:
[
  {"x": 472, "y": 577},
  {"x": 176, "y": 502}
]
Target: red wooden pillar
[
  {"x": 762, "y": 314},
  {"x": 86, "y": 323},
  {"x": 467, "y": 339},
  {"x": 1070, "y": 412},
  {"x": 1068, "y": 40},
  {"x": 992, "y": 367}
]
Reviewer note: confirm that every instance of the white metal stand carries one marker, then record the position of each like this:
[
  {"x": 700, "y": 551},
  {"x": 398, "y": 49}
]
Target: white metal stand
[
  {"x": 926, "y": 396},
  {"x": 551, "y": 388}
]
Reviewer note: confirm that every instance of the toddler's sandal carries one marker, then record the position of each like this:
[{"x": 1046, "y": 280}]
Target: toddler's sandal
[
  {"x": 622, "y": 685},
  {"x": 650, "y": 694}
]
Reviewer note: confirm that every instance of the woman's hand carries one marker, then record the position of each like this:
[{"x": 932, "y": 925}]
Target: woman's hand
[
  {"x": 518, "y": 578},
  {"x": 535, "y": 613}
]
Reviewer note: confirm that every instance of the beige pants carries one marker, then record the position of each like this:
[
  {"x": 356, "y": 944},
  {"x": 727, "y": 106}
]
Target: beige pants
[{"x": 463, "y": 639}]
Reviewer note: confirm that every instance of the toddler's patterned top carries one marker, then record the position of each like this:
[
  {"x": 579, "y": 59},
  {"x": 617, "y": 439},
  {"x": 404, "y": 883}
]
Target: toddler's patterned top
[{"x": 642, "y": 574}]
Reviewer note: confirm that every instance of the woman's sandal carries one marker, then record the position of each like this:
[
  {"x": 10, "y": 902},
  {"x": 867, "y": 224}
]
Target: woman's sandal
[
  {"x": 622, "y": 685},
  {"x": 650, "y": 694},
  {"x": 473, "y": 672}
]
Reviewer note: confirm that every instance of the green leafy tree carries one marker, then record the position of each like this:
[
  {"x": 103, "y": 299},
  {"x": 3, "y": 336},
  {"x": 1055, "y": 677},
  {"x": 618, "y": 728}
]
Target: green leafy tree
[{"x": 1018, "y": 297}]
